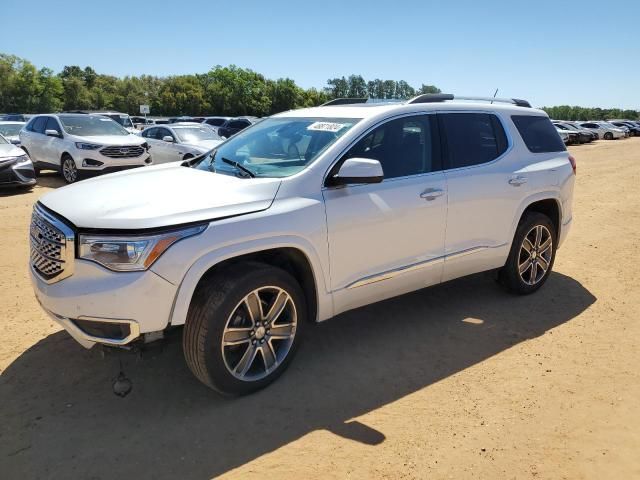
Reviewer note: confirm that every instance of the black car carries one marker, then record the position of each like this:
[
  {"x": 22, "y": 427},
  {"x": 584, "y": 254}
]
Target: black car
[
  {"x": 234, "y": 125},
  {"x": 16, "y": 168}
]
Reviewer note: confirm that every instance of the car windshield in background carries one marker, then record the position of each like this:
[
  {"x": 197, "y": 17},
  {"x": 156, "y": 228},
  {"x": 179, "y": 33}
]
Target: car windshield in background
[
  {"x": 3, "y": 140},
  {"x": 90, "y": 125},
  {"x": 10, "y": 129},
  {"x": 195, "y": 134},
  {"x": 277, "y": 147}
]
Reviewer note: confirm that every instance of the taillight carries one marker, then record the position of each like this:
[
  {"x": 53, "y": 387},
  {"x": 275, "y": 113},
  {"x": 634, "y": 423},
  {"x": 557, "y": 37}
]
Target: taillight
[{"x": 573, "y": 163}]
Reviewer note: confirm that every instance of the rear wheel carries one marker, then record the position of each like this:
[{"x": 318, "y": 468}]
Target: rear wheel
[
  {"x": 69, "y": 170},
  {"x": 243, "y": 327},
  {"x": 532, "y": 255}
]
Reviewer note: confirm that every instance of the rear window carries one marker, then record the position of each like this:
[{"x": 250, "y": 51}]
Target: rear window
[{"x": 538, "y": 134}]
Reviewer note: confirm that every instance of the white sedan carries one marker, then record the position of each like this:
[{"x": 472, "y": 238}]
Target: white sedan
[{"x": 179, "y": 141}]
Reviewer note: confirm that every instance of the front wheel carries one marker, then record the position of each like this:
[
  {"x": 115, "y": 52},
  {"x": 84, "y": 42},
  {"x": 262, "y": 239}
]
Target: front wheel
[
  {"x": 532, "y": 255},
  {"x": 243, "y": 327},
  {"x": 608, "y": 136},
  {"x": 69, "y": 170}
]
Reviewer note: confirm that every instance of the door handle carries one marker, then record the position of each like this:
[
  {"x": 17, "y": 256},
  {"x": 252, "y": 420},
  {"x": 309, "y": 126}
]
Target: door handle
[
  {"x": 517, "y": 180},
  {"x": 431, "y": 194}
]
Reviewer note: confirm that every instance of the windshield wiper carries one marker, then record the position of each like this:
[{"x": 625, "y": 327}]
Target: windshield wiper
[{"x": 238, "y": 166}]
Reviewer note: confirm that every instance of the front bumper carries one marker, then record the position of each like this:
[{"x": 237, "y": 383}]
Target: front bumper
[
  {"x": 93, "y": 160},
  {"x": 16, "y": 173},
  {"x": 132, "y": 303}
]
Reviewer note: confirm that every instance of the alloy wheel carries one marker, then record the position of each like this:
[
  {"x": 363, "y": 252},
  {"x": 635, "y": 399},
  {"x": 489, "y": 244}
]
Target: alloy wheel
[
  {"x": 69, "y": 170},
  {"x": 259, "y": 333},
  {"x": 535, "y": 255}
]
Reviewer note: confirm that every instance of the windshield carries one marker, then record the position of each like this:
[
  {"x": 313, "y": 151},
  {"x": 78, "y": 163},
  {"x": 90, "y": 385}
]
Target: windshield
[
  {"x": 91, "y": 125},
  {"x": 277, "y": 147},
  {"x": 195, "y": 134},
  {"x": 123, "y": 120},
  {"x": 10, "y": 129}
]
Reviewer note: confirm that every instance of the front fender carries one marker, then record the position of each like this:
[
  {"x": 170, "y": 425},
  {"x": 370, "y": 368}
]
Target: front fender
[{"x": 206, "y": 262}]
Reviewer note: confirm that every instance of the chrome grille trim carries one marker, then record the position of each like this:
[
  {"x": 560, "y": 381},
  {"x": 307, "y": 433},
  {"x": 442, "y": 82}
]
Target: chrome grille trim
[
  {"x": 52, "y": 246},
  {"x": 122, "y": 151}
]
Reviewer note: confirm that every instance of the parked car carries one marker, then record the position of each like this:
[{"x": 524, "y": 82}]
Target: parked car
[
  {"x": 82, "y": 144},
  {"x": 307, "y": 214},
  {"x": 216, "y": 122},
  {"x": 584, "y": 135},
  {"x": 183, "y": 119},
  {"x": 634, "y": 130},
  {"x": 16, "y": 168},
  {"x": 10, "y": 131},
  {"x": 12, "y": 117},
  {"x": 576, "y": 125},
  {"x": 180, "y": 141},
  {"x": 608, "y": 132},
  {"x": 564, "y": 136},
  {"x": 234, "y": 125}
]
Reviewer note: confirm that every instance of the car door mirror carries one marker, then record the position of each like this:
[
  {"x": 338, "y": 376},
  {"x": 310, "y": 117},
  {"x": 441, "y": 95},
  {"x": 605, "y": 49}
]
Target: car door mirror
[
  {"x": 167, "y": 138},
  {"x": 357, "y": 170},
  {"x": 52, "y": 133}
]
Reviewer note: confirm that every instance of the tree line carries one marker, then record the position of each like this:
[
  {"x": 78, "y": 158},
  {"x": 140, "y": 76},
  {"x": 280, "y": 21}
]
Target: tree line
[
  {"x": 222, "y": 90},
  {"x": 566, "y": 112}
]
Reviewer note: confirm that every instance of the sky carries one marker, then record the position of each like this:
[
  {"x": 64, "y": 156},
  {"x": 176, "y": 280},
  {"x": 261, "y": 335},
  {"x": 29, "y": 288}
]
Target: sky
[{"x": 579, "y": 52}]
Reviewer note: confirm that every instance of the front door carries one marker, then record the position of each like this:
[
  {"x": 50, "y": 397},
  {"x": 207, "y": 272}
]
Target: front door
[{"x": 387, "y": 239}]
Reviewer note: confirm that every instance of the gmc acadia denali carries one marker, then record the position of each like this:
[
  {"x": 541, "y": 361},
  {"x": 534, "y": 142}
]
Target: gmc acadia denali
[{"x": 302, "y": 216}]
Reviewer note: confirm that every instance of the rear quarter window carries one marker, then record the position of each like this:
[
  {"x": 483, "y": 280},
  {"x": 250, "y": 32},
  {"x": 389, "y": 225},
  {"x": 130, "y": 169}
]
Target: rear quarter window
[{"x": 538, "y": 133}]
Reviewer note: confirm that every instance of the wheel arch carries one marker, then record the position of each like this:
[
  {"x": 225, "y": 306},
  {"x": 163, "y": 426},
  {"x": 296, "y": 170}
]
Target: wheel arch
[
  {"x": 294, "y": 259},
  {"x": 547, "y": 203}
]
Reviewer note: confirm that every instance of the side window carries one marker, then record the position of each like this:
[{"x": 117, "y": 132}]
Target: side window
[
  {"x": 52, "y": 124},
  {"x": 163, "y": 132},
  {"x": 150, "y": 133},
  {"x": 472, "y": 138},
  {"x": 403, "y": 146},
  {"x": 538, "y": 133},
  {"x": 39, "y": 124}
]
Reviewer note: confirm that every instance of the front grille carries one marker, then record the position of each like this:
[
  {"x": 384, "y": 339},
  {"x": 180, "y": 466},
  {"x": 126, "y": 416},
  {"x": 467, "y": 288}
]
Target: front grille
[
  {"x": 51, "y": 249},
  {"x": 124, "y": 151}
]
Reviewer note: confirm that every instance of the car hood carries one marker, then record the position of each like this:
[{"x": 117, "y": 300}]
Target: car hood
[
  {"x": 10, "y": 150},
  {"x": 159, "y": 196},
  {"x": 110, "y": 139}
]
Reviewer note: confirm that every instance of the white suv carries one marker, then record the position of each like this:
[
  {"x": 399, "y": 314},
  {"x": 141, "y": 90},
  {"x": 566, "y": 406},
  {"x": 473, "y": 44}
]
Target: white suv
[
  {"x": 305, "y": 215},
  {"x": 80, "y": 144}
]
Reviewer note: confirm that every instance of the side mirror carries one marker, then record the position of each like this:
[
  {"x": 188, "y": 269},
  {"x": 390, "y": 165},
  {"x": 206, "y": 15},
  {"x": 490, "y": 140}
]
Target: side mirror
[
  {"x": 167, "y": 138},
  {"x": 52, "y": 133},
  {"x": 15, "y": 141},
  {"x": 357, "y": 170}
]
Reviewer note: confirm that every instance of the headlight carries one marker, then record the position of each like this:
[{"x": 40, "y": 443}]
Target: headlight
[
  {"x": 22, "y": 159},
  {"x": 135, "y": 253},
  {"x": 87, "y": 146}
]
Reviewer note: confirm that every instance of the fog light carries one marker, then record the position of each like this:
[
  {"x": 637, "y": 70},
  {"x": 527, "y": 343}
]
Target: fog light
[
  {"x": 148, "y": 161},
  {"x": 90, "y": 162}
]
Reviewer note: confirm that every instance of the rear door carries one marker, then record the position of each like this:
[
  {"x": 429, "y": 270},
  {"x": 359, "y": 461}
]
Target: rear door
[
  {"x": 35, "y": 138},
  {"x": 483, "y": 188}
]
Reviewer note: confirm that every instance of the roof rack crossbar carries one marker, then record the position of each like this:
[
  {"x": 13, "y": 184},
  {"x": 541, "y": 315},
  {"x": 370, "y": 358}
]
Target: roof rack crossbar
[
  {"x": 441, "y": 97},
  {"x": 344, "y": 101}
]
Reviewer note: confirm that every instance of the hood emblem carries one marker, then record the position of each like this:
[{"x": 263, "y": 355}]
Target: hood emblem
[{"x": 124, "y": 150}]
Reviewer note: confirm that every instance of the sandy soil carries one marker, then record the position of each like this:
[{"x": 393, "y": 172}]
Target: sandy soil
[{"x": 458, "y": 381}]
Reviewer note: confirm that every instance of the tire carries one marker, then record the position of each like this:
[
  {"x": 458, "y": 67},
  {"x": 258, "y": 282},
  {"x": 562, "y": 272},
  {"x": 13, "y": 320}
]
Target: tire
[
  {"x": 608, "y": 136},
  {"x": 222, "y": 301},
  {"x": 532, "y": 257},
  {"x": 68, "y": 169}
]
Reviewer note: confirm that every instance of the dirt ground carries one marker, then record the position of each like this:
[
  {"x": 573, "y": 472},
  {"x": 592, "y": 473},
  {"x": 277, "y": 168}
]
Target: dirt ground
[{"x": 457, "y": 381}]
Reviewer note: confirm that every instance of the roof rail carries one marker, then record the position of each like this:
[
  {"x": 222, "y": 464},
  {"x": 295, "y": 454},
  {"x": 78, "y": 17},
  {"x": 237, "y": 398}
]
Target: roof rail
[
  {"x": 344, "y": 101},
  {"x": 441, "y": 97}
]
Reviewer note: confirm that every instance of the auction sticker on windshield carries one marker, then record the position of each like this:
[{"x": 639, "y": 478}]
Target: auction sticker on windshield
[{"x": 326, "y": 127}]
